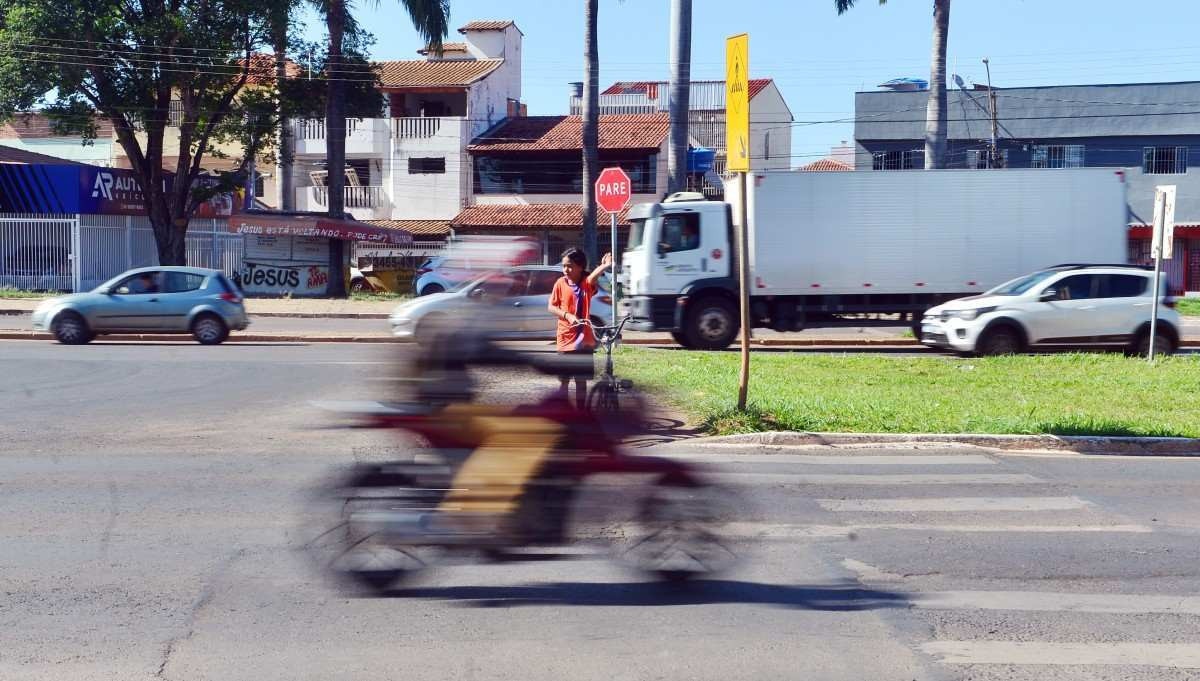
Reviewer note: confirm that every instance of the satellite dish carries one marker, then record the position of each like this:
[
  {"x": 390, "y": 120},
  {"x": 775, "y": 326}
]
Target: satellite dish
[{"x": 959, "y": 82}]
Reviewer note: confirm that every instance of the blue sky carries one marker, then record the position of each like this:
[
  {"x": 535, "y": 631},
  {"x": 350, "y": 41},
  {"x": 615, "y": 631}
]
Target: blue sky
[{"x": 819, "y": 59}]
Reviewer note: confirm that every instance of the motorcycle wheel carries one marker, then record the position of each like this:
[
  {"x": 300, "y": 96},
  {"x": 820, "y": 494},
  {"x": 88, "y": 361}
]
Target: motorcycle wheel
[
  {"x": 677, "y": 534},
  {"x": 372, "y": 547}
]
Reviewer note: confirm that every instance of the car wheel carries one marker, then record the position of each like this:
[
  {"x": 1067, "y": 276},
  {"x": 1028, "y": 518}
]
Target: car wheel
[
  {"x": 432, "y": 288},
  {"x": 208, "y": 329},
  {"x": 1163, "y": 345},
  {"x": 360, "y": 285},
  {"x": 999, "y": 341},
  {"x": 429, "y": 328},
  {"x": 69, "y": 328}
]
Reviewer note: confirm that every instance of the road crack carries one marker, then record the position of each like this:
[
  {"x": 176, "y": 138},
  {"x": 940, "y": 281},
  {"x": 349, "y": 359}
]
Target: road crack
[{"x": 206, "y": 596}]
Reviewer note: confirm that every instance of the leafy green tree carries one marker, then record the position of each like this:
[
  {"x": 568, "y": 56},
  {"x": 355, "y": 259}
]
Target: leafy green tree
[{"x": 143, "y": 66}]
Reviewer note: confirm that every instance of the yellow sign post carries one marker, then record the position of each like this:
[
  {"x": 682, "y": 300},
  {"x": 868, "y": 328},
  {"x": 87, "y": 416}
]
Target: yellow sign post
[
  {"x": 737, "y": 103},
  {"x": 737, "y": 159}
]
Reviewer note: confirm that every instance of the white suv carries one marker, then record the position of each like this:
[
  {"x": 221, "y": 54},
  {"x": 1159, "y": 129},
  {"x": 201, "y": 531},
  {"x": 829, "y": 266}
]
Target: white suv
[{"x": 1067, "y": 305}]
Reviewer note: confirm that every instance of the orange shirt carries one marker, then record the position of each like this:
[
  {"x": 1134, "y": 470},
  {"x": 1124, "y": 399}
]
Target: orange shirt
[{"x": 576, "y": 299}]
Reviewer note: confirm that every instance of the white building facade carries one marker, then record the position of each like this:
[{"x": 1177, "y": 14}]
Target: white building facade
[{"x": 413, "y": 165}]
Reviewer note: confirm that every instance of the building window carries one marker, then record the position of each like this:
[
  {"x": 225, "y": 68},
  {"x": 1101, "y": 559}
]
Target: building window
[
  {"x": 1164, "y": 160},
  {"x": 1056, "y": 156},
  {"x": 977, "y": 159},
  {"x": 417, "y": 166},
  {"x": 767, "y": 146},
  {"x": 898, "y": 160}
]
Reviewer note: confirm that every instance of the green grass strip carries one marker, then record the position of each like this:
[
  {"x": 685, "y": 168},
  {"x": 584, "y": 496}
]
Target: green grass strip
[{"x": 1062, "y": 394}]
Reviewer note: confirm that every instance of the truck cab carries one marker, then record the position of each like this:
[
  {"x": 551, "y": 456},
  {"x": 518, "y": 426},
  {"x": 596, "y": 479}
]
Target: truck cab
[{"x": 680, "y": 254}]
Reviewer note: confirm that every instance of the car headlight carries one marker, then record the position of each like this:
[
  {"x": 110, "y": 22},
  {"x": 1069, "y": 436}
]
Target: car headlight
[{"x": 971, "y": 314}]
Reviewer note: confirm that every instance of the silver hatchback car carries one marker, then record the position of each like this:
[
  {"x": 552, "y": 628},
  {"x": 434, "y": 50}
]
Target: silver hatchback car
[{"x": 192, "y": 300}]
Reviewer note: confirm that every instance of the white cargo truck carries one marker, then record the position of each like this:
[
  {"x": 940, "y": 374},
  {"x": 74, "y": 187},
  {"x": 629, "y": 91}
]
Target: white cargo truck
[{"x": 856, "y": 248}]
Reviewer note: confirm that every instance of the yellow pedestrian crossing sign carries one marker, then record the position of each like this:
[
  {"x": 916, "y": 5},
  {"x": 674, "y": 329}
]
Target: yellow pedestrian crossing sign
[{"x": 737, "y": 103}]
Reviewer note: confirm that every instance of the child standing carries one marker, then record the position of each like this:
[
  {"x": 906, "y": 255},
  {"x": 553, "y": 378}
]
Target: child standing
[{"x": 571, "y": 302}]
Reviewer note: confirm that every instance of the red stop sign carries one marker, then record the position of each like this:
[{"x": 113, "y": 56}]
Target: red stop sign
[{"x": 613, "y": 189}]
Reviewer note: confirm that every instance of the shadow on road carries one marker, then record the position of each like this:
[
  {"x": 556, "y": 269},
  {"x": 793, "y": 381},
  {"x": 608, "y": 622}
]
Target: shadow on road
[{"x": 652, "y": 594}]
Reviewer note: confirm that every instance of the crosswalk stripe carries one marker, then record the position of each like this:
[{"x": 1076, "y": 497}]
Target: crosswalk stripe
[
  {"x": 852, "y": 479},
  {"x": 952, "y": 504},
  {"x": 835, "y": 460},
  {"x": 1172, "y": 655},
  {"x": 751, "y": 530},
  {"x": 1041, "y": 601}
]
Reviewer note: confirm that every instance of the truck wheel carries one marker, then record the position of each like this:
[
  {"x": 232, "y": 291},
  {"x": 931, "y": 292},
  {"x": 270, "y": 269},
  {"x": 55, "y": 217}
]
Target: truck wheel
[
  {"x": 711, "y": 324},
  {"x": 679, "y": 338}
]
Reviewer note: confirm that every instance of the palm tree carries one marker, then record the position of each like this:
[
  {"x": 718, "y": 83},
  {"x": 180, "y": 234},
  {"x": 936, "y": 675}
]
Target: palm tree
[
  {"x": 431, "y": 19},
  {"x": 935, "y": 111},
  {"x": 591, "y": 127}
]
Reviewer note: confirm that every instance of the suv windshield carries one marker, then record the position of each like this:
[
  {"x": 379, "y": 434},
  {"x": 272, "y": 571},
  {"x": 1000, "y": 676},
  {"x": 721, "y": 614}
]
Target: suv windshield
[{"x": 1022, "y": 284}]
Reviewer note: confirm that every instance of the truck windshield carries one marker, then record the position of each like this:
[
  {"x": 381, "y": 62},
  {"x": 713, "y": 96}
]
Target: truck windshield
[
  {"x": 1022, "y": 284},
  {"x": 637, "y": 232}
]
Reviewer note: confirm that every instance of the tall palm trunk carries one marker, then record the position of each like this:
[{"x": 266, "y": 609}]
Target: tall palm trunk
[
  {"x": 935, "y": 111},
  {"x": 335, "y": 141},
  {"x": 591, "y": 127},
  {"x": 681, "y": 76}
]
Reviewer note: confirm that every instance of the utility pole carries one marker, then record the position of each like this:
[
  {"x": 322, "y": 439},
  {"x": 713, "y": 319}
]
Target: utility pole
[
  {"x": 994, "y": 154},
  {"x": 679, "y": 94}
]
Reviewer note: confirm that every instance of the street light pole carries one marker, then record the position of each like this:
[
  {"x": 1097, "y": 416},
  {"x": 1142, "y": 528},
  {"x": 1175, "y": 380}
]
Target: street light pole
[{"x": 993, "y": 156}]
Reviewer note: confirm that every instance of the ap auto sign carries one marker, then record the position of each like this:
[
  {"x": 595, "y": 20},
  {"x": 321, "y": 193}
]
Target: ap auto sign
[{"x": 110, "y": 191}]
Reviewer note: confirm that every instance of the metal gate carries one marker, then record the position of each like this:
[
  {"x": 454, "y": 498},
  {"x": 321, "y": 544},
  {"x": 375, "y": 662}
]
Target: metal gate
[
  {"x": 80, "y": 252},
  {"x": 39, "y": 253}
]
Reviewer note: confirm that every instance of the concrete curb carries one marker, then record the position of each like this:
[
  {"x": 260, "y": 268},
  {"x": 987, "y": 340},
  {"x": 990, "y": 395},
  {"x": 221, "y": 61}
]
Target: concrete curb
[
  {"x": 185, "y": 338},
  {"x": 295, "y": 315},
  {"x": 1129, "y": 446}
]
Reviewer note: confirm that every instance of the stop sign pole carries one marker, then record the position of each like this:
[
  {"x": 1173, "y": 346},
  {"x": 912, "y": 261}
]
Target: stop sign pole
[{"x": 613, "y": 190}]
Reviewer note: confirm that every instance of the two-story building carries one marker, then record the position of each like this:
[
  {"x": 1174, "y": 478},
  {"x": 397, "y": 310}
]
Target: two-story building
[
  {"x": 410, "y": 169},
  {"x": 1146, "y": 129},
  {"x": 528, "y": 175},
  {"x": 770, "y": 121}
]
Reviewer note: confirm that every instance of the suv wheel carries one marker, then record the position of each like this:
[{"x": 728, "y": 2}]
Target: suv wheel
[
  {"x": 432, "y": 288},
  {"x": 1163, "y": 345},
  {"x": 1002, "y": 340}
]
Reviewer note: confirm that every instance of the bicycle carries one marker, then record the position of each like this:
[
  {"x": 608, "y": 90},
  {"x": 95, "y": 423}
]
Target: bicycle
[{"x": 605, "y": 394}]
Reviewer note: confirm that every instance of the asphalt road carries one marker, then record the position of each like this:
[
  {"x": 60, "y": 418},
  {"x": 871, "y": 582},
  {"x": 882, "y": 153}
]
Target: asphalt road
[{"x": 153, "y": 505}]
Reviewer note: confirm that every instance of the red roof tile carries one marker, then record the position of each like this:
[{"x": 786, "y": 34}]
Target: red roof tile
[
  {"x": 415, "y": 227},
  {"x": 35, "y": 125},
  {"x": 826, "y": 165},
  {"x": 262, "y": 69},
  {"x": 565, "y": 215},
  {"x": 650, "y": 87},
  {"x": 486, "y": 25},
  {"x": 14, "y": 155},
  {"x": 565, "y": 133},
  {"x": 446, "y": 47},
  {"x": 424, "y": 73}
]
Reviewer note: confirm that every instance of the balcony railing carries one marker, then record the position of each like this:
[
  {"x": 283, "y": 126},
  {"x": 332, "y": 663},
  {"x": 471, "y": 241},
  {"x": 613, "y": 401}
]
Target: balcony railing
[
  {"x": 415, "y": 127},
  {"x": 314, "y": 128},
  {"x": 355, "y": 197}
]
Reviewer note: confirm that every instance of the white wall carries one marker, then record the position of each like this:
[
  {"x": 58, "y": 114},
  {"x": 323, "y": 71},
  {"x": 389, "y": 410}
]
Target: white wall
[
  {"x": 770, "y": 122},
  {"x": 99, "y": 153},
  {"x": 430, "y": 196},
  {"x": 487, "y": 103}
]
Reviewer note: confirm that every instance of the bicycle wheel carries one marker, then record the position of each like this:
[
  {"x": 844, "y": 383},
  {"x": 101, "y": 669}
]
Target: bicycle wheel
[{"x": 603, "y": 397}]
